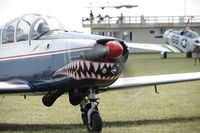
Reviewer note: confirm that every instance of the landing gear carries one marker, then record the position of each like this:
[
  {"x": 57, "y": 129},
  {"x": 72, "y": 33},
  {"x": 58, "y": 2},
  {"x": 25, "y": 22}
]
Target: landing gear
[
  {"x": 163, "y": 55},
  {"x": 189, "y": 54},
  {"x": 90, "y": 114}
]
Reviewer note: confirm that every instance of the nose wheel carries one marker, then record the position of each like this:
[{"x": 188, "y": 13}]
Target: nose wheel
[{"x": 90, "y": 114}]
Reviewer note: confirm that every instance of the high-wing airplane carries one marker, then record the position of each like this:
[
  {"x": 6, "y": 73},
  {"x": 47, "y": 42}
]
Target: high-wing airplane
[
  {"x": 182, "y": 41},
  {"x": 114, "y": 6},
  {"x": 39, "y": 57}
]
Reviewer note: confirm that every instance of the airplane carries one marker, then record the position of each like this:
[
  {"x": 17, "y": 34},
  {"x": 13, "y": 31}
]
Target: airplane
[
  {"x": 39, "y": 57},
  {"x": 114, "y": 6},
  {"x": 177, "y": 41}
]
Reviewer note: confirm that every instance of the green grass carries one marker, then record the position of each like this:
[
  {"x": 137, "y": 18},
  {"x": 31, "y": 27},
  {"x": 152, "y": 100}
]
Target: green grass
[{"x": 176, "y": 108}]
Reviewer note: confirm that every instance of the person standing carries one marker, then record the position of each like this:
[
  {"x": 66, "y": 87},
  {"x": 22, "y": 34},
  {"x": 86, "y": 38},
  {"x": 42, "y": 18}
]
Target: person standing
[
  {"x": 196, "y": 54},
  {"x": 91, "y": 17}
]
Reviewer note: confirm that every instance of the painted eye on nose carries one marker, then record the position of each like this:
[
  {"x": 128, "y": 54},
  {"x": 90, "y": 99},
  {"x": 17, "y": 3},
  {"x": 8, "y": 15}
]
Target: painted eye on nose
[
  {"x": 104, "y": 70},
  {"x": 197, "y": 41},
  {"x": 114, "y": 70}
]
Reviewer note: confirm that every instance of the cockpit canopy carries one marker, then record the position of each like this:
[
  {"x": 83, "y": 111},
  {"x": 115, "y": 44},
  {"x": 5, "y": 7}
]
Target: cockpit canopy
[
  {"x": 27, "y": 27},
  {"x": 189, "y": 33}
]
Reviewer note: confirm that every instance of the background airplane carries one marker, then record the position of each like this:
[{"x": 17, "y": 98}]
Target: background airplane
[
  {"x": 39, "y": 57},
  {"x": 177, "y": 41},
  {"x": 114, "y": 6}
]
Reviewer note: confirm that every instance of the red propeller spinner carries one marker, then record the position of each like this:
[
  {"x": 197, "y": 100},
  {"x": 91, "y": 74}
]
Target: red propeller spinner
[{"x": 115, "y": 49}]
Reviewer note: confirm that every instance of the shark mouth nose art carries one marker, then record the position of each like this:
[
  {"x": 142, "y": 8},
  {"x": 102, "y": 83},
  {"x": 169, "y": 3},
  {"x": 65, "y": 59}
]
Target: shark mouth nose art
[{"x": 85, "y": 69}]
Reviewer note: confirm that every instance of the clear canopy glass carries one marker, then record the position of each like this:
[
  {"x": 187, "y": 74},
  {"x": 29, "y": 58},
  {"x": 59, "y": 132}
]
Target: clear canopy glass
[
  {"x": 27, "y": 27},
  {"x": 191, "y": 34}
]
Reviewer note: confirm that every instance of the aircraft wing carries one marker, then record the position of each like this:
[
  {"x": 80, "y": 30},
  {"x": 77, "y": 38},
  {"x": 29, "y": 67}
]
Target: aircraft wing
[
  {"x": 23, "y": 87},
  {"x": 131, "y": 82},
  {"x": 154, "y": 47},
  {"x": 14, "y": 87}
]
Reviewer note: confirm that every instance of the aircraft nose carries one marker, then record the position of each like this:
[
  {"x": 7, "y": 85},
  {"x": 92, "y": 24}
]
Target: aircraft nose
[
  {"x": 197, "y": 42},
  {"x": 115, "y": 49}
]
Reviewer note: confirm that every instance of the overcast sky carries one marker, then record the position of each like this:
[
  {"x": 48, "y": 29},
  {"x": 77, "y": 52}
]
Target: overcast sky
[{"x": 70, "y": 12}]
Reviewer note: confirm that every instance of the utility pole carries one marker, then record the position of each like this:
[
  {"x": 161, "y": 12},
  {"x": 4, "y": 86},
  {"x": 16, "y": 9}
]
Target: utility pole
[{"x": 185, "y": 8}]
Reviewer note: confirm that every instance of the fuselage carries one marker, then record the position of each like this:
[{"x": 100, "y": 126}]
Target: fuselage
[
  {"x": 184, "y": 40},
  {"x": 40, "y": 59},
  {"x": 86, "y": 60},
  {"x": 45, "y": 58}
]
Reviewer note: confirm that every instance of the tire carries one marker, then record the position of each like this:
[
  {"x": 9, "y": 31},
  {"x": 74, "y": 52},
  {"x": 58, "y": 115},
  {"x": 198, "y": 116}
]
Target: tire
[{"x": 95, "y": 123}]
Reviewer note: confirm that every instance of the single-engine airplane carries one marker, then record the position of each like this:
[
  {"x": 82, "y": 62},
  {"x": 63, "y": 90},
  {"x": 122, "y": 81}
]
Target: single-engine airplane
[
  {"x": 177, "y": 41},
  {"x": 114, "y": 6},
  {"x": 39, "y": 57}
]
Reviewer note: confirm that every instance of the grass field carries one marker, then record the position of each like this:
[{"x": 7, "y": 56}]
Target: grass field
[{"x": 175, "y": 109}]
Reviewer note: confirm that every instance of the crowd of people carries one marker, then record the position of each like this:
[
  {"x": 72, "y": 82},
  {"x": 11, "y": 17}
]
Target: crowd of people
[{"x": 121, "y": 18}]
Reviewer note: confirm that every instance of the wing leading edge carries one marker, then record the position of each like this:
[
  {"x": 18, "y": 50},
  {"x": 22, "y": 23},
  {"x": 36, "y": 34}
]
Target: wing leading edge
[
  {"x": 23, "y": 87},
  {"x": 14, "y": 87},
  {"x": 153, "y": 80},
  {"x": 154, "y": 47},
  {"x": 130, "y": 82}
]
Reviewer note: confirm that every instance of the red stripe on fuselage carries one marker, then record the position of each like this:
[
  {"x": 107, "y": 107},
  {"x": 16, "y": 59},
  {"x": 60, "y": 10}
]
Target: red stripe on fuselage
[{"x": 50, "y": 52}]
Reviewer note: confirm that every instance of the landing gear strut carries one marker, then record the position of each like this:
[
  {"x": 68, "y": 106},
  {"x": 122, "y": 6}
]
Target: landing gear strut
[
  {"x": 90, "y": 114},
  {"x": 189, "y": 54}
]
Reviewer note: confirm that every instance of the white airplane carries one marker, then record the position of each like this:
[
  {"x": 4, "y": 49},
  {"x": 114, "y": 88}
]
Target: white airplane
[
  {"x": 114, "y": 6},
  {"x": 39, "y": 57},
  {"x": 183, "y": 41}
]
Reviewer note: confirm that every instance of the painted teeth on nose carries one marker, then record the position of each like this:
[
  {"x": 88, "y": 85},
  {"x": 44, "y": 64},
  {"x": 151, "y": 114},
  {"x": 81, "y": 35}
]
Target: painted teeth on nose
[
  {"x": 87, "y": 75},
  {"x": 82, "y": 65},
  {"x": 81, "y": 69},
  {"x": 77, "y": 76},
  {"x": 69, "y": 73},
  {"x": 107, "y": 77},
  {"x": 70, "y": 66},
  {"x": 103, "y": 77},
  {"x": 95, "y": 65},
  {"x": 93, "y": 76},
  {"x": 77, "y": 65},
  {"x": 112, "y": 77},
  {"x": 101, "y": 65},
  {"x": 87, "y": 63},
  {"x": 82, "y": 76},
  {"x": 73, "y": 75},
  {"x": 107, "y": 65},
  {"x": 111, "y": 64},
  {"x": 98, "y": 76}
]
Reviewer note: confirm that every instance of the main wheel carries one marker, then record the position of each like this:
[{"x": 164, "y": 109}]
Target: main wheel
[{"x": 95, "y": 123}]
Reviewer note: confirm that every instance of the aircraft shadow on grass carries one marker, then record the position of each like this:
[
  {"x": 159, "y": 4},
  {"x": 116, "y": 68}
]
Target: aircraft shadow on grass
[{"x": 41, "y": 127}]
